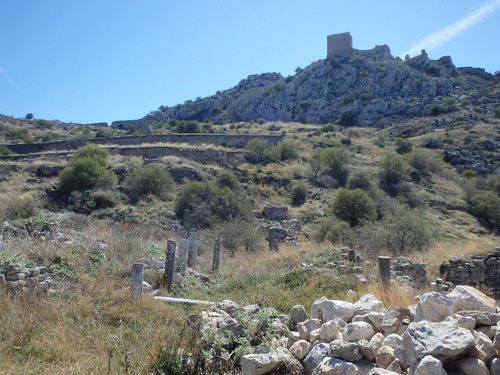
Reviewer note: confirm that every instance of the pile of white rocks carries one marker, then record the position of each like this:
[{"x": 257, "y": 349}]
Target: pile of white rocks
[{"x": 443, "y": 334}]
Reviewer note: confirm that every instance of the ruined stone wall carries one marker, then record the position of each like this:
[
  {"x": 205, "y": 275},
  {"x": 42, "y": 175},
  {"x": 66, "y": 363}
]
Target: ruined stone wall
[
  {"x": 479, "y": 271},
  {"x": 204, "y": 156},
  {"x": 226, "y": 140},
  {"x": 339, "y": 44}
]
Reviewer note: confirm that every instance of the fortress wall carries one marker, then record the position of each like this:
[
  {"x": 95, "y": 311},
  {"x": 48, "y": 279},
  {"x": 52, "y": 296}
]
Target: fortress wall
[
  {"x": 479, "y": 272},
  {"x": 204, "y": 156},
  {"x": 225, "y": 140}
]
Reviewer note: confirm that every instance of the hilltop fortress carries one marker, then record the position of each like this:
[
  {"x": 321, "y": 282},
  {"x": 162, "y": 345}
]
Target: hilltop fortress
[{"x": 341, "y": 45}]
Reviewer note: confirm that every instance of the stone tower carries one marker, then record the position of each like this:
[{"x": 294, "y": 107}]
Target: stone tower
[{"x": 339, "y": 44}]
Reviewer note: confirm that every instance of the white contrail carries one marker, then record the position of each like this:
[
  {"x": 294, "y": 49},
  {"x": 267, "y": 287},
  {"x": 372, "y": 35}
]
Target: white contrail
[
  {"x": 445, "y": 34},
  {"x": 6, "y": 76}
]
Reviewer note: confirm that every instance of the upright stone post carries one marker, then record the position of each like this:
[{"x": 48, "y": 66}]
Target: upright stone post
[
  {"x": 137, "y": 279},
  {"x": 193, "y": 250},
  {"x": 169, "y": 264},
  {"x": 273, "y": 241},
  {"x": 216, "y": 260},
  {"x": 183, "y": 255},
  {"x": 384, "y": 269}
]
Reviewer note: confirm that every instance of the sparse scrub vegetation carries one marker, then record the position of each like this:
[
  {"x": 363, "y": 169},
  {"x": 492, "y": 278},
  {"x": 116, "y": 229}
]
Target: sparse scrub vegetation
[
  {"x": 150, "y": 179},
  {"x": 91, "y": 325},
  {"x": 201, "y": 205}
]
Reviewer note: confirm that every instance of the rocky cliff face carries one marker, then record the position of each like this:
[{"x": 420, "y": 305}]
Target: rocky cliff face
[{"x": 360, "y": 89}]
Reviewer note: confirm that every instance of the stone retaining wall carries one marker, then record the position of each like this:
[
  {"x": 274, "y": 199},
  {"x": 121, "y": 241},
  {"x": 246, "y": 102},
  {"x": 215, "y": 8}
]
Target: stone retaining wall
[
  {"x": 478, "y": 271},
  {"x": 225, "y": 140}
]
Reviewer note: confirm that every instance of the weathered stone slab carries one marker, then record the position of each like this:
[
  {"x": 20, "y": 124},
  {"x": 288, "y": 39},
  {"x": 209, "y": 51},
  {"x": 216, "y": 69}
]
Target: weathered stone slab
[
  {"x": 265, "y": 361},
  {"x": 367, "y": 304},
  {"x": 434, "y": 307},
  {"x": 358, "y": 331},
  {"x": 427, "y": 366},
  {"x": 468, "y": 298},
  {"x": 472, "y": 366},
  {"x": 334, "y": 310},
  {"x": 440, "y": 339},
  {"x": 298, "y": 314}
]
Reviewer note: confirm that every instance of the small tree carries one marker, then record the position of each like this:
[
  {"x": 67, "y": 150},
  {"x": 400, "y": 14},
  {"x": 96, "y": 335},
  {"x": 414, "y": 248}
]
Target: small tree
[
  {"x": 29, "y": 116},
  {"x": 354, "y": 206},
  {"x": 400, "y": 231}
]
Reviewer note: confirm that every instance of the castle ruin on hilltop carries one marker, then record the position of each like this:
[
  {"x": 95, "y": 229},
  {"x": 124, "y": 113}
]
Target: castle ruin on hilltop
[{"x": 341, "y": 45}]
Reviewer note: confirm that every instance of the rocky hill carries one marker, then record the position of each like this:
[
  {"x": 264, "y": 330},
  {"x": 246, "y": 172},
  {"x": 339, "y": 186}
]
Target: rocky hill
[{"x": 363, "y": 89}]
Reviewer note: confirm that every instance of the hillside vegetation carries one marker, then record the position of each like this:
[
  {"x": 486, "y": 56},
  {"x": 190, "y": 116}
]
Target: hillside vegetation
[{"x": 423, "y": 182}]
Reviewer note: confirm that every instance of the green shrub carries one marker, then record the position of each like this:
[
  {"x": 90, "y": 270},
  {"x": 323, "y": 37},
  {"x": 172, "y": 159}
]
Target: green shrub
[
  {"x": 486, "y": 206},
  {"x": 201, "y": 205},
  {"x": 227, "y": 179},
  {"x": 403, "y": 146},
  {"x": 334, "y": 230},
  {"x": 354, "y": 206},
  {"x": 423, "y": 163},
  {"x": 496, "y": 112},
  {"x": 347, "y": 119},
  {"x": 264, "y": 152},
  {"x": 391, "y": 173},
  {"x": 360, "y": 180},
  {"x": 187, "y": 127},
  {"x": 241, "y": 235},
  {"x": 330, "y": 127},
  {"x": 88, "y": 168},
  {"x": 287, "y": 150},
  {"x": 4, "y": 150},
  {"x": 299, "y": 195},
  {"x": 150, "y": 179}
]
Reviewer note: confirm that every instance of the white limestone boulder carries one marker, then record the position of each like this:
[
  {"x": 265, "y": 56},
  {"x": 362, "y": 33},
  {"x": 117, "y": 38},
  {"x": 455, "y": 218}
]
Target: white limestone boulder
[
  {"x": 368, "y": 303},
  {"x": 314, "y": 357},
  {"x": 265, "y": 361},
  {"x": 437, "y": 339},
  {"x": 298, "y": 314},
  {"x": 358, "y": 331},
  {"x": 335, "y": 310},
  {"x": 336, "y": 366},
  {"x": 300, "y": 349},
  {"x": 316, "y": 312},
  {"x": 329, "y": 330},
  {"x": 307, "y": 326},
  {"x": 393, "y": 340},
  {"x": 483, "y": 348},
  {"x": 472, "y": 366},
  {"x": 434, "y": 307},
  {"x": 384, "y": 357},
  {"x": 428, "y": 365},
  {"x": 468, "y": 298}
]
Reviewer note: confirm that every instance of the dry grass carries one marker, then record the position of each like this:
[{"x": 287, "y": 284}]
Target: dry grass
[{"x": 396, "y": 295}]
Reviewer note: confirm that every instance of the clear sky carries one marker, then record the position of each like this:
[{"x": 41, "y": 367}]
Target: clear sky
[{"x": 106, "y": 60}]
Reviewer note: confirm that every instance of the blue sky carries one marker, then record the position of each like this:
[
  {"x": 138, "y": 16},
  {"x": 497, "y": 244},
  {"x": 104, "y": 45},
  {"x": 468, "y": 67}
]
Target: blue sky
[{"x": 105, "y": 60}]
